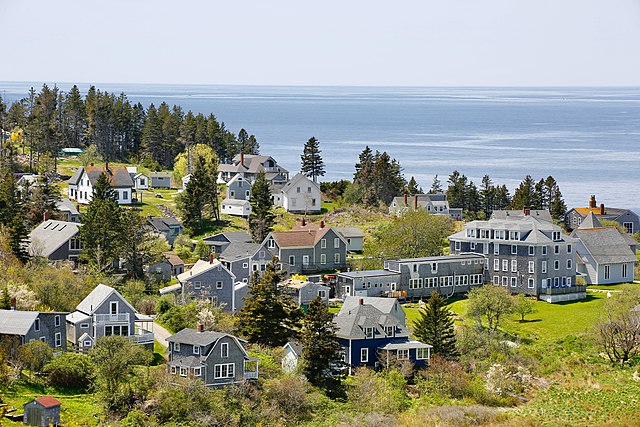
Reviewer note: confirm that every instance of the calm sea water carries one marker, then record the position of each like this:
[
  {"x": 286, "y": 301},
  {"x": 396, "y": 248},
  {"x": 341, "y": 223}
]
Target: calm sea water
[{"x": 587, "y": 138}]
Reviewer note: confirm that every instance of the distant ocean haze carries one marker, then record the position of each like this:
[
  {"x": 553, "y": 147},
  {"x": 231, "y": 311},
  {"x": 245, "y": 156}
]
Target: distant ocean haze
[{"x": 587, "y": 138}]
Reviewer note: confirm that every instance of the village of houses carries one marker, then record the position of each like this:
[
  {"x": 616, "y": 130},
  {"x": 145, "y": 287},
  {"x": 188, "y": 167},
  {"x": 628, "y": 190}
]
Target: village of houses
[{"x": 522, "y": 251}]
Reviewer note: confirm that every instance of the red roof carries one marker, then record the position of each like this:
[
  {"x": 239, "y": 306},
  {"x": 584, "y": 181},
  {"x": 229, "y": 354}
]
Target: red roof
[{"x": 48, "y": 401}]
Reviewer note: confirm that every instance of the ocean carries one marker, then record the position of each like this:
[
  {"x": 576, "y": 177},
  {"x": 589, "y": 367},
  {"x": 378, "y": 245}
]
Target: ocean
[{"x": 588, "y": 139}]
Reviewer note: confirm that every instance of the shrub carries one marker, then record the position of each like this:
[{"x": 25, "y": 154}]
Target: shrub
[{"x": 70, "y": 370}]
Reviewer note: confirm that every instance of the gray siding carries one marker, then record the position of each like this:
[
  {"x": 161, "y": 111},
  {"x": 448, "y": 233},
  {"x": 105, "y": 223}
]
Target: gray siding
[
  {"x": 209, "y": 288},
  {"x": 48, "y": 330}
]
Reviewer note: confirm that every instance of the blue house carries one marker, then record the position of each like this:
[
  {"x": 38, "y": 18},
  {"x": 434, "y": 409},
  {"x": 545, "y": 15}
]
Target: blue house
[{"x": 374, "y": 332}]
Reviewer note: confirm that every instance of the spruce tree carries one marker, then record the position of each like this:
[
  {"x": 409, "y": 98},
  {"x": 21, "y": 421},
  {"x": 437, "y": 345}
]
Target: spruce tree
[
  {"x": 322, "y": 354},
  {"x": 43, "y": 197},
  {"x": 268, "y": 317},
  {"x": 487, "y": 196},
  {"x": 412, "y": 187},
  {"x": 191, "y": 201},
  {"x": 436, "y": 186},
  {"x": 435, "y": 326},
  {"x": 262, "y": 218},
  {"x": 12, "y": 215},
  {"x": 102, "y": 232},
  {"x": 526, "y": 195},
  {"x": 312, "y": 164}
]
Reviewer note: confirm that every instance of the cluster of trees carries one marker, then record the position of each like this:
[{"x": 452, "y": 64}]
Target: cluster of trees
[
  {"x": 481, "y": 202},
  {"x": 120, "y": 130},
  {"x": 378, "y": 179}
]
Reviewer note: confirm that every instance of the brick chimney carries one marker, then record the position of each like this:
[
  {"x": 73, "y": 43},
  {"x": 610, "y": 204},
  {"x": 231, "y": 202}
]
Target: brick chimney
[
  {"x": 415, "y": 202},
  {"x": 200, "y": 328},
  {"x": 211, "y": 259},
  {"x": 322, "y": 224},
  {"x": 361, "y": 301},
  {"x": 106, "y": 166},
  {"x": 13, "y": 304},
  {"x": 592, "y": 201},
  {"x": 526, "y": 211},
  {"x": 602, "y": 209},
  {"x": 242, "y": 158},
  {"x": 46, "y": 215},
  {"x": 406, "y": 201}
]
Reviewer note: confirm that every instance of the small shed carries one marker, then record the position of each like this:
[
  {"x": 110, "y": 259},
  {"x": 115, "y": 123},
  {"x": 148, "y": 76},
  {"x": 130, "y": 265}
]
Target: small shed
[{"x": 43, "y": 411}]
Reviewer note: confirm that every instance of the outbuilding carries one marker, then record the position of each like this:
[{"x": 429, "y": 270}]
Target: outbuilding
[{"x": 43, "y": 411}]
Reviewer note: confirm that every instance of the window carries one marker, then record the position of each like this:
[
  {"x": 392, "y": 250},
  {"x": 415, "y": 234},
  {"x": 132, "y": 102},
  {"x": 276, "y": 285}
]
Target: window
[
  {"x": 114, "y": 307},
  {"x": 415, "y": 283},
  {"x": 368, "y": 332},
  {"x": 505, "y": 281},
  {"x": 297, "y": 189},
  {"x": 125, "y": 195},
  {"x": 628, "y": 227},
  {"x": 271, "y": 243},
  {"x": 197, "y": 285},
  {"x": 388, "y": 331},
  {"x": 496, "y": 264},
  {"x": 219, "y": 284},
  {"x": 224, "y": 349},
  {"x": 173, "y": 370},
  {"x": 473, "y": 246},
  {"x": 36, "y": 325},
  {"x": 322, "y": 293},
  {"x": 505, "y": 265},
  {"x": 336, "y": 259},
  {"x": 56, "y": 320},
  {"x": 422, "y": 353},
  {"x": 569, "y": 249},
  {"x": 569, "y": 281},
  {"x": 323, "y": 243},
  {"x": 556, "y": 249},
  {"x": 496, "y": 248},
  {"x": 624, "y": 270},
  {"x": 293, "y": 202},
  {"x": 556, "y": 265},
  {"x": 224, "y": 370},
  {"x": 496, "y": 280},
  {"x": 531, "y": 283},
  {"x": 545, "y": 250},
  {"x": 75, "y": 244},
  {"x": 58, "y": 339},
  {"x": 514, "y": 282},
  {"x": 607, "y": 272},
  {"x": 292, "y": 259},
  {"x": 514, "y": 250},
  {"x": 197, "y": 372},
  {"x": 569, "y": 264},
  {"x": 313, "y": 202},
  {"x": 176, "y": 346},
  {"x": 336, "y": 243},
  {"x": 434, "y": 267},
  {"x": 183, "y": 372},
  {"x": 544, "y": 266},
  {"x": 308, "y": 189},
  {"x": 196, "y": 349},
  {"x": 457, "y": 246},
  {"x": 403, "y": 354},
  {"x": 532, "y": 250},
  {"x": 84, "y": 325},
  {"x": 485, "y": 248},
  {"x": 323, "y": 258},
  {"x": 245, "y": 265},
  {"x": 532, "y": 267},
  {"x": 364, "y": 355},
  {"x": 556, "y": 236},
  {"x": 514, "y": 266}
]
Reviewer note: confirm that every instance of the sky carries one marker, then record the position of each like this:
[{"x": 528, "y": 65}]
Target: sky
[{"x": 329, "y": 42}]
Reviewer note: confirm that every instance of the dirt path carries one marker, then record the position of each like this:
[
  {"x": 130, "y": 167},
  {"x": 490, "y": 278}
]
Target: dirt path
[{"x": 161, "y": 334}]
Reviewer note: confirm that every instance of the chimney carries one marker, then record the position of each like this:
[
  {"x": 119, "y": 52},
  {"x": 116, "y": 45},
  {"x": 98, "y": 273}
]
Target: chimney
[
  {"x": 592, "y": 201},
  {"x": 415, "y": 202},
  {"x": 322, "y": 224},
  {"x": 46, "y": 215},
  {"x": 200, "y": 328},
  {"x": 406, "y": 202},
  {"x": 527, "y": 211},
  {"x": 106, "y": 166},
  {"x": 13, "y": 303},
  {"x": 303, "y": 222},
  {"x": 361, "y": 301},
  {"x": 242, "y": 158},
  {"x": 602, "y": 210},
  {"x": 211, "y": 259}
]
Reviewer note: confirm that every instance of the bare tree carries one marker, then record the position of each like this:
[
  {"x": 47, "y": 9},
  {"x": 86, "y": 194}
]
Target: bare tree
[{"x": 618, "y": 331}]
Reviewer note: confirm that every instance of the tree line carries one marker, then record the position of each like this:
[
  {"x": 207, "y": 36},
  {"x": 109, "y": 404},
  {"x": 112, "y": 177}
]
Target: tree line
[{"x": 49, "y": 120}]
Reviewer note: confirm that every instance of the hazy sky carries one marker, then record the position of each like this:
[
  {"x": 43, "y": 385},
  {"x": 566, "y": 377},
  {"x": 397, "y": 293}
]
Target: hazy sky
[{"x": 345, "y": 42}]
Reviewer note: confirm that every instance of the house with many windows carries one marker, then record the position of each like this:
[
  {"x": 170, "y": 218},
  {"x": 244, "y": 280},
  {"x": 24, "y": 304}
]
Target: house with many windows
[
  {"x": 216, "y": 358},
  {"x": 169, "y": 227},
  {"x": 249, "y": 166},
  {"x": 525, "y": 255},
  {"x": 628, "y": 219},
  {"x": 210, "y": 280},
  {"x": 304, "y": 291},
  {"x": 436, "y": 204},
  {"x": 244, "y": 259},
  {"x": 55, "y": 240},
  {"x": 300, "y": 195},
  {"x": 219, "y": 242},
  {"x": 604, "y": 254},
  {"x": 27, "y": 326},
  {"x": 106, "y": 312},
  {"x": 83, "y": 181}
]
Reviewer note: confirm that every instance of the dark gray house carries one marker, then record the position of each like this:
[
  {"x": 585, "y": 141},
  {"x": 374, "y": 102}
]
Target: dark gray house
[
  {"x": 169, "y": 227},
  {"x": 303, "y": 291},
  {"x": 68, "y": 211},
  {"x": 525, "y": 255},
  {"x": 43, "y": 411},
  {"x": 29, "y": 326},
  {"x": 55, "y": 240},
  {"x": 221, "y": 240},
  {"x": 628, "y": 219},
  {"x": 239, "y": 188},
  {"x": 171, "y": 266},
  {"x": 539, "y": 214},
  {"x": 160, "y": 179},
  {"x": 105, "y": 312},
  {"x": 244, "y": 259},
  {"x": 210, "y": 280},
  {"x": 308, "y": 251},
  {"x": 218, "y": 359}
]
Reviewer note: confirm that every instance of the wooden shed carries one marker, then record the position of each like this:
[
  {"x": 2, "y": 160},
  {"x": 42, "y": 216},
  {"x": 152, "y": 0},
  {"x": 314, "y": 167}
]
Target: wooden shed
[{"x": 43, "y": 411}]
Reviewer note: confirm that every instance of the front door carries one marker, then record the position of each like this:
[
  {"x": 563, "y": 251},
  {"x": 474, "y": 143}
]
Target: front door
[{"x": 305, "y": 260}]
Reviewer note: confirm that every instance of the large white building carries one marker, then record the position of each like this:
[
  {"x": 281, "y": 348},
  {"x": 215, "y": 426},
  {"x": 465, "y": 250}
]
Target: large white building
[{"x": 82, "y": 183}]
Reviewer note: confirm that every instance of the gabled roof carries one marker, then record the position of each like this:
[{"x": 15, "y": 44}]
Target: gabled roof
[
  {"x": 201, "y": 267},
  {"x": 76, "y": 176},
  {"x": 385, "y": 305},
  {"x": 295, "y": 347},
  {"x": 173, "y": 258},
  {"x": 590, "y": 221},
  {"x": 49, "y": 236},
  {"x": 541, "y": 214},
  {"x": 236, "y": 202},
  {"x": 186, "y": 361},
  {"x": 66, "y": 205},
  {"x": 48, "y": 401},
  {"x": 14, "y": 322},
  {"x": 352, "y": 323},
  {"x": 606, "y": 245},
  {"x": 163, "y": 224},
  {"x": 297, "y": 178},
  {"x": 193, "y": 337},
  {"x": 238, "y": 177},
  {"x": 350, "y": 232},
  {"x": 239, "y": 250},
  {"x": 118, "y": 175},
  {"x": 160, "y": 175},
  {"x": 230, "y": 236},
  {"x": 301, "y": 238},
  {"x": 97, "y": 297}
]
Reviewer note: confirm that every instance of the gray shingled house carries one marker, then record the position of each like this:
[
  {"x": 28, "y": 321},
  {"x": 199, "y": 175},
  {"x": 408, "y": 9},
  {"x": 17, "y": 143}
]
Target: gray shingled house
[
  {"x": 303, "y": 291},
  {"x": 239, "y": 188},
  {"x": 160, "y": 179},
  {"x": 604, "y": 255},
  {"x": 43, "y": 411},
  {"x": 525, "y": 255},
  {"x": 221, "y": 240},
  {"x": 29, "y": 326},
  {"x": 68, "y": 211},
  {"x": 245, "y": 259},
  {"x": 250, "y": 165},
  {"x": 105, "y": 312},
  {"x": 55, "y": 240},
  {"x": 628, "y": 219},
  {"x": 216, "y": 358},
  {"x": 539, "y": 214},
  {"x": 169, "y": 227},
  {"x": 171, "y": 266},
  {"x": 210, "y": 280}
]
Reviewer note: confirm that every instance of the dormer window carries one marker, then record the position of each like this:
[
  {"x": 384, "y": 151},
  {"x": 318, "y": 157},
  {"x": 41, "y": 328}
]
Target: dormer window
[
  {"x": 556, "y": 236},
  {"x": 271, "y": 243},
  {"x": 368, "y": 333},
  {"x": 388, "y": 331},
  {"x": 196, "y": 349}
]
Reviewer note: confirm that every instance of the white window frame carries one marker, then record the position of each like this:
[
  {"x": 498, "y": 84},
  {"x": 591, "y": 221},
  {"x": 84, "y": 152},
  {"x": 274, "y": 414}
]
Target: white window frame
[
  {"x": 532, "y": 267},
  {"x": 219, "y": 284},
  {"x": 403, "y": 354},
  {"x": 184, "y": 371},
  {"x": 58, "y": 339},
  {"x": 173, "y": 369},
  {"x": 323, "y": 259},
  {"x": 336, "y": 243},
  {"x": 197, "y": 371},
  {"x": 514, "y": 281},
  {"x": 532, "y": 250},
  {"x": 176, "y": 346},
  {"x": 336, "y": 259},
  {"x": 56, "y": 320},
  {"x": 569, "y": 264},
  {"x": 532, "y": 283},
  {"x": 496, "y": 248},
  {"x": 292, "y": 260},
  {"x": 457, "y": 246},
  {"x": 514, "y": 249},
  {"x": 196, "y": 349},
  {"x": 224, "y": 350},
  {"x": 625, "y": 270},
  {"x": 628, "y": 227},
  {"x": 422, "y": 353},
  {"x": 364, "y": 355},
  {"x": 545, "y": 250},
  {"x": 323, "y": 243},
  {"x": 505, "y": 265},
  {"x": 607, "y": 272},
  {"x": 514, "y": 266},
  {"x": 84, "y": 326},
  {"x": 556, "y": 264},
  {"x": 197, "y": 285},
  {"x": 369, "y": 333},
  {"x": 36, "y": 325},
  {"x": 544, "y": 266},
  {"x": 496, "y": 264}
]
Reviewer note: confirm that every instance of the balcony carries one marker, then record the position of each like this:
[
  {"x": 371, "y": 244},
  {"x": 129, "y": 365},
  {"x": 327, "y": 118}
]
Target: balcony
[
  {"x": 563, "y": 290},
  {"x": 112, "y": 318},
  {"x": 141, "y": 337},
  {"x": 251, "y": 375}
]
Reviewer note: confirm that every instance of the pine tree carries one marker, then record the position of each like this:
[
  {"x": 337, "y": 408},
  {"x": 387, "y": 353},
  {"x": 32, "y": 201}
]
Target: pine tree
[
  {"x": 12, "y": 213},
  {"x": 268, "y": 317},
  {"x": 526, "y": 195},
  {"x": 435, "y": 326},
  {"x": 152, "y": 136},
  {"x": 102, "y": 232},
  {"x": 412, "y": 187},
  {"x": 436, "y": 186},
  {"x": 75, "y": 112},
  {"x": 502, "y": 198},
  {"x": 191, "y": 201},
  {"x": 322, "y": 354},
  {"x": 364, "y": 167},
  {"x": 456, "y": 190},
  {"x": 558, "y": 208},
  {"x": 43, "y": 197},
  {"x": 262, "y": 218},
  {"x": 312, "y": 164},
  {"x": 487, "y": 196}
]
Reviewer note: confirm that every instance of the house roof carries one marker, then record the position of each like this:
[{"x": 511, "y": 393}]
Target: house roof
[
  {"x": 230, "y": 236},
  {"x": 97, "y": 297},
  {"x": 350, "y": 232},
  {"x": 352, "y": 323},
  {"x": 297, "y": 178},
  {"x": 14, "y": 322},
  {"x": 296, "y": 347},
  {"x": 385, "y": 305},
  {"x": 200, "y": 267},
  {"x": 187, "y": 361},
  {"x": 608, "y": 212},
  {"x": 367, "y": 273},
  {"x": 590, "y": 221},
  {"x": 452, "y": 258},
  {"x": 48, "y": 401},
  {"x": 160, "y": 175},
  {"x": 170, "y": 289},
  {"x": 405, "y": 345},
  {"x": 541, "y": 214},
  {"x": 66, "y": 205},
  {"x": 173, "y": 258},
  {"x": 49, "y": 236},
  {"x": 308, "y": 237},
  {"x": 164, "y": 224},
  {"x": 77, "y": 316},
  {"x": 193, "y": 337},
  {"x": 238, "y": 177},
  {"x": 236, "y": 202},
  {"x": 606, "y": 245},
  {"x": 239, "y": 250},
  {"x": 118, "y": 175}
]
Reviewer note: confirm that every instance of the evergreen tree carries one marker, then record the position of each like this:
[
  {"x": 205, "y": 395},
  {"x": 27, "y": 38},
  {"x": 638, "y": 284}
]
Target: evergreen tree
[
  {"x": 435, "y": 326},
  {"x": 322, "y": 354},
  {"x": 247, "y": 144},
  {"x": 191, "y": 201},
  {"x": 436, "y": 186},
  {"x": 558, "y": 208},
  {"x": 456, "y": 190},
  {"x": 502, "y": 198},
  {"x": 268, "y": 317},
  {"x": 412, "y": 187},
  {"x": 487, "y": 196},
  {"x": 152, "y": 136},
  {"x": 43, "y": 197},
  {"x": 526, "y": 195},
  {"x": 364, "y": 167},
  {"x": 75, "y": 112},
  {"x": 12, "y": 213},
  {"x": 262, "y": 218},
  {"x": 471, "y": 199},
  {"x": 312, "y": 164},
  {"x": 102, "y": 232},
  {"x": 141, "y": 247}
]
